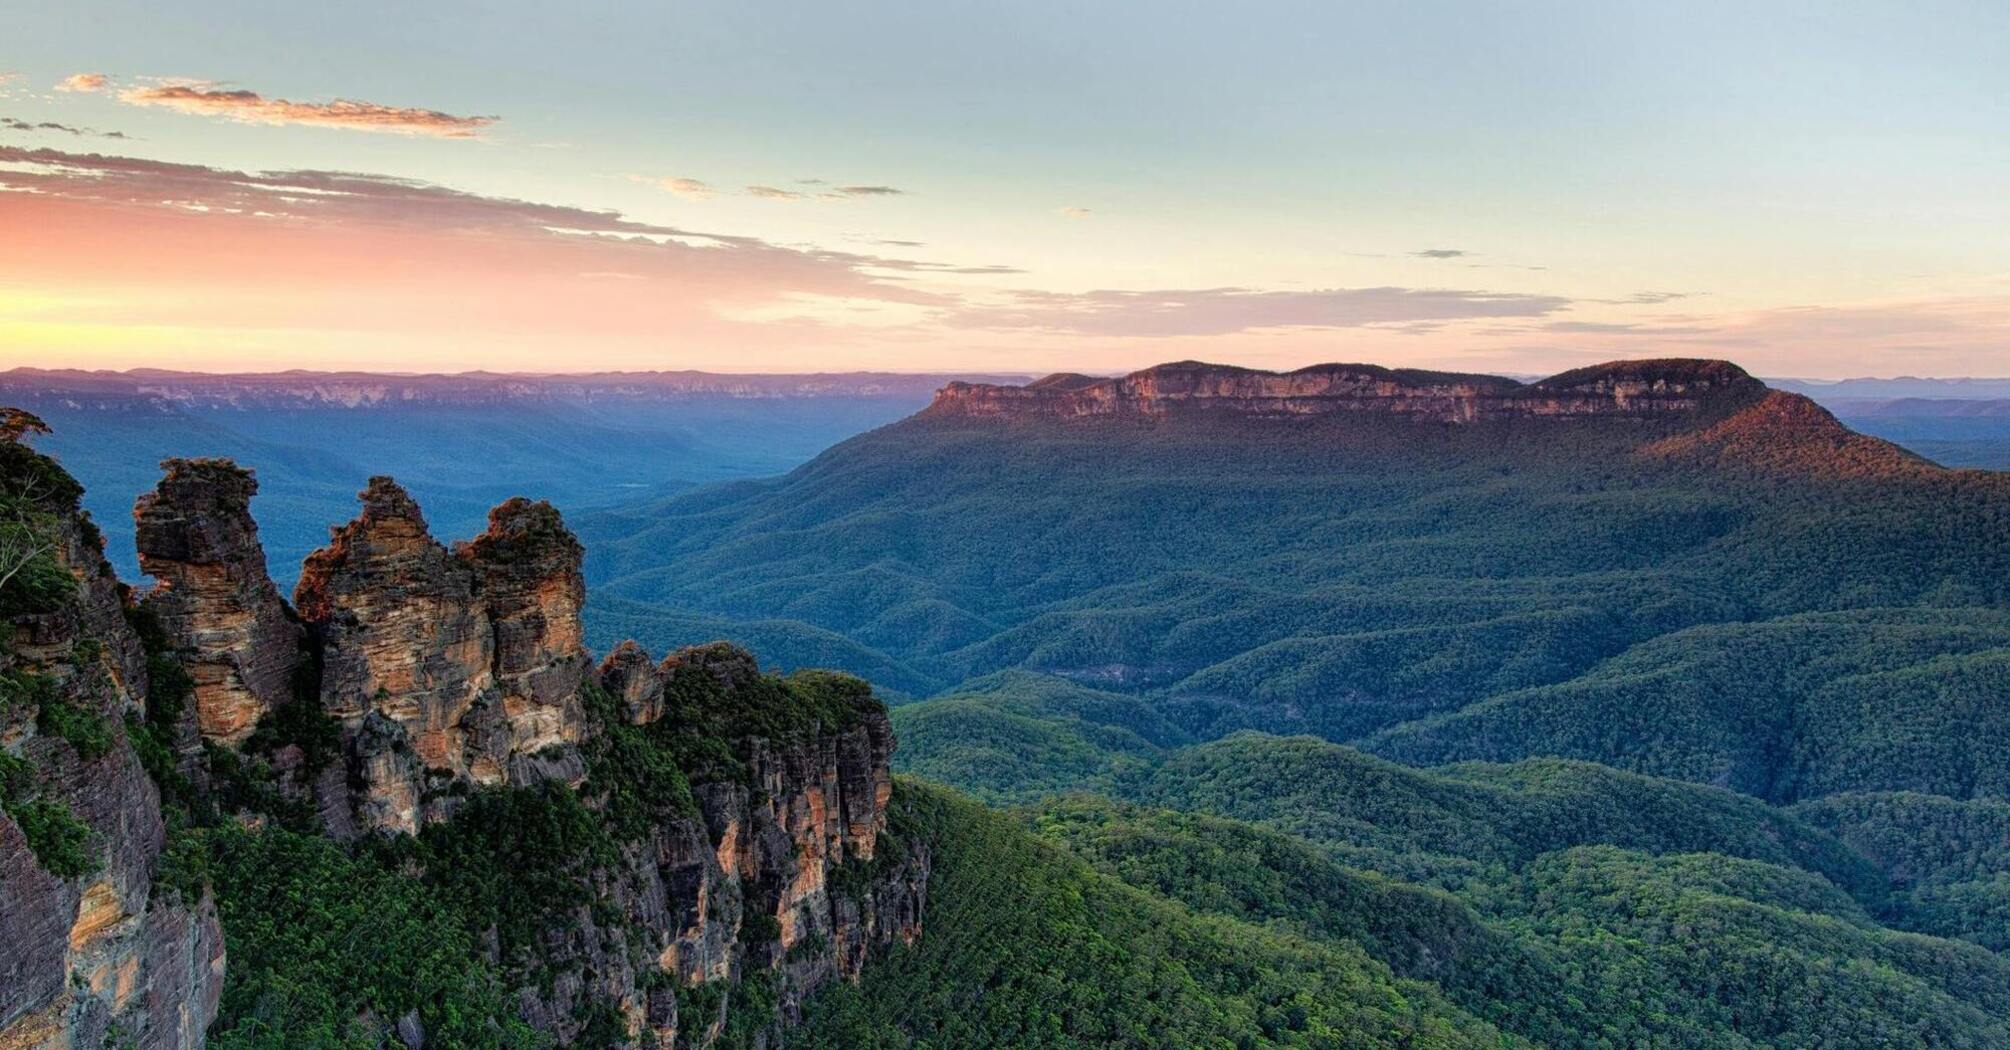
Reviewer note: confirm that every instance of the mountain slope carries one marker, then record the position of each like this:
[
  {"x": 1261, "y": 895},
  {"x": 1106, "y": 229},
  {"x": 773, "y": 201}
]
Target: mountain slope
[{"x": 1399, "y": 559}]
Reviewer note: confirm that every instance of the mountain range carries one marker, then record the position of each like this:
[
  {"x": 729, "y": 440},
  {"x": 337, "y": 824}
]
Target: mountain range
[{"x": 1648, "y": 704}]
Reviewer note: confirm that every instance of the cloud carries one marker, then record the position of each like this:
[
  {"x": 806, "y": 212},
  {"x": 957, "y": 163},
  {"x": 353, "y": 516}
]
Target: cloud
[
  {"x": 411, "y": 219},
  {"x": 838, "y": 193},
  {"x": 1442, "y": 253},
  {"x": 1223, "y": 311},
  {"x": 692, "y": 189},
  {"x": 250, "y": 107},
  {"x": 1074, "y": 213},
  {"x": 1615, "y": 328},
  {"x": 12, "y": 124},
  {"x": 1646, "y": 298},
  {"x": 83, "y": 82}
]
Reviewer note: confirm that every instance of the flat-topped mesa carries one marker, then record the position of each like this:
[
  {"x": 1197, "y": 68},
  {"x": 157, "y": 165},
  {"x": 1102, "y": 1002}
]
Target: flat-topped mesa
[
  {"x": 1626, "y": 389},
  {"x": 446, "y": 664},
  {"x": 213, "y": 598}
]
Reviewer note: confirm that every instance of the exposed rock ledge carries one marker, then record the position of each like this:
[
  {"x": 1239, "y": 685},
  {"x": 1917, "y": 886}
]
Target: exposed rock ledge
[{"x": 1676, "y": 387}]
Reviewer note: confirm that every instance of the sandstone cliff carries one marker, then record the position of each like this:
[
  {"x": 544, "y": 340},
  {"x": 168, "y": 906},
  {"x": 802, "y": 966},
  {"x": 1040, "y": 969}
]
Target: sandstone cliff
[
  {"x": 93, "y": 950},
  {"x": 235, "y": 636},
  {"x": 416, "y": 681},
  {"x": 1627, "y": 389}
]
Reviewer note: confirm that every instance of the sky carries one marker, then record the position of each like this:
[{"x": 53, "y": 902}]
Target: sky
[{"x": 1810, "y": 189}]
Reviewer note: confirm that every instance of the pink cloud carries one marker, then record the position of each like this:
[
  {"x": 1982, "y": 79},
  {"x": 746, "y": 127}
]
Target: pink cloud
[
  {"x": 83, "y": 82},
  {"x": 253, "y": 108}
]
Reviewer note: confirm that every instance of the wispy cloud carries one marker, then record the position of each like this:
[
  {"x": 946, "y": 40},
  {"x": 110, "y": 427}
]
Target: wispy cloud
[
  {"x": 835, "y": 193},
  {"x": 1222, "y": 311},
  {"x": 1441, "y": 253},
  {"x": 690, "y": 189},
  {"x": 250, "y": 107},
  {"x": 83, "y": 82},
  {"x": 1660, "y": 331},
  {"x": 1073, "y": 213},
  {"x": 349, "y": 208},
  {"x": 13, "y": 124},
  {"x": 1647, "y": 298}
]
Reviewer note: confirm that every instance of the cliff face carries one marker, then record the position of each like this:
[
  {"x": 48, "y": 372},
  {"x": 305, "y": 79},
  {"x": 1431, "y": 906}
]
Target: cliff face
[
  {"x": 1635, "y": 389},
  {"x": 95, "y": 952},
  {"x": 784, "y": 876},
  {"x": 442, "y": 673},
  {"x": 445, "y": 666},
  {"x": 236, "y": 638}
]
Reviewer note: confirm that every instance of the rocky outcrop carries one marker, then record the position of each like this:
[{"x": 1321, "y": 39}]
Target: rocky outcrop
[
  {"x": 233, "y": 633},
  {"x": 1626, "y": 389},
  {"x": 93, "y": 951},
  {"x": 787, "y": 872},
  {"x": 444, "y": 671},
  {"x": 425, "y": 677},
  {"x": 445, "y": 665},
  {"x": 526, "y": 567}
]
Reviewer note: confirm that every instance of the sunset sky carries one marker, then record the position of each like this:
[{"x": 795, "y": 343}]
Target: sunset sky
[{"x": 1811, "y": 189}]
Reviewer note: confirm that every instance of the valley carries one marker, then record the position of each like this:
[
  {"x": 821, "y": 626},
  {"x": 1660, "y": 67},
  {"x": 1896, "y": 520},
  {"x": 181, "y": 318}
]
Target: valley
[{"x": 1642, "y": 705}]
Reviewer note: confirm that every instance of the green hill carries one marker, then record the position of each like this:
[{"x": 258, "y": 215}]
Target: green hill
[{"x": 1745, "y": 594}]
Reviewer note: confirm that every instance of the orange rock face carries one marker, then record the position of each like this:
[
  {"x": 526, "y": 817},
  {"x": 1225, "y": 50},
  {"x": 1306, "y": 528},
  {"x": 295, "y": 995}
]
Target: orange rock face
[
  {"x": 235, "y": 636},
  {"x": 445, "y": 664}
]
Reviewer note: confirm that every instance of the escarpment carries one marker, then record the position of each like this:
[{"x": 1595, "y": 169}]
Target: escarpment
[
  {"x": 728, "y": 851},
  {"x": 1627, "y": 389},
  {"x": 99, "y": 948}
]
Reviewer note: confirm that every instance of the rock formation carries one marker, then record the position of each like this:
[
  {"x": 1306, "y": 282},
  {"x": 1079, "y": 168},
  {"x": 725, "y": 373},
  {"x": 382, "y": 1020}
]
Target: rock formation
[
  {"x": 234, "y": 633},
  {"x": 441, "y": 673},
  {"x": 98, "y": 953},
  {"x": 1637, "y": 389},
  {"x": 445, "y": 665},
  {"x": 785, "y": 869}
]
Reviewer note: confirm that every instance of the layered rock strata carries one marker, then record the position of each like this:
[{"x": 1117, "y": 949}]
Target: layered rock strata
[
  {"x": 233, "y": 632},
  {"x": 447, "y": 671},
  {"x": 96, "y": 953},
  {"x": 1629, "y": 389}
]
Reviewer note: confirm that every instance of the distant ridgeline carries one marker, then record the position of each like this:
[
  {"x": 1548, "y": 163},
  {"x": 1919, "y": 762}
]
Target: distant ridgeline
[
  {"x": 1645, "y": 389},
  {"x": 579, "y": 440}
]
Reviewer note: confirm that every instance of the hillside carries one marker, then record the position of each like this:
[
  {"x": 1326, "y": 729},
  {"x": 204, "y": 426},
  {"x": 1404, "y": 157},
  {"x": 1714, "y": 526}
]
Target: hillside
[
  {"x": 1662, "y": 566},
  {"x": 407, "y": 806}
]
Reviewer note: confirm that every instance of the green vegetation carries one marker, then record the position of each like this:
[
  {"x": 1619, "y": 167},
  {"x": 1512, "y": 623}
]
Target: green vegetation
[
  {"x": 61, "y": 843},
  {"x": 34, "y": 495},
  {"x": 326, "y": 948},
  {"x": 1029, "y": 947},
  {"x": 1589, "y": 946},
  {"x": 1787, "y": 626}
]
